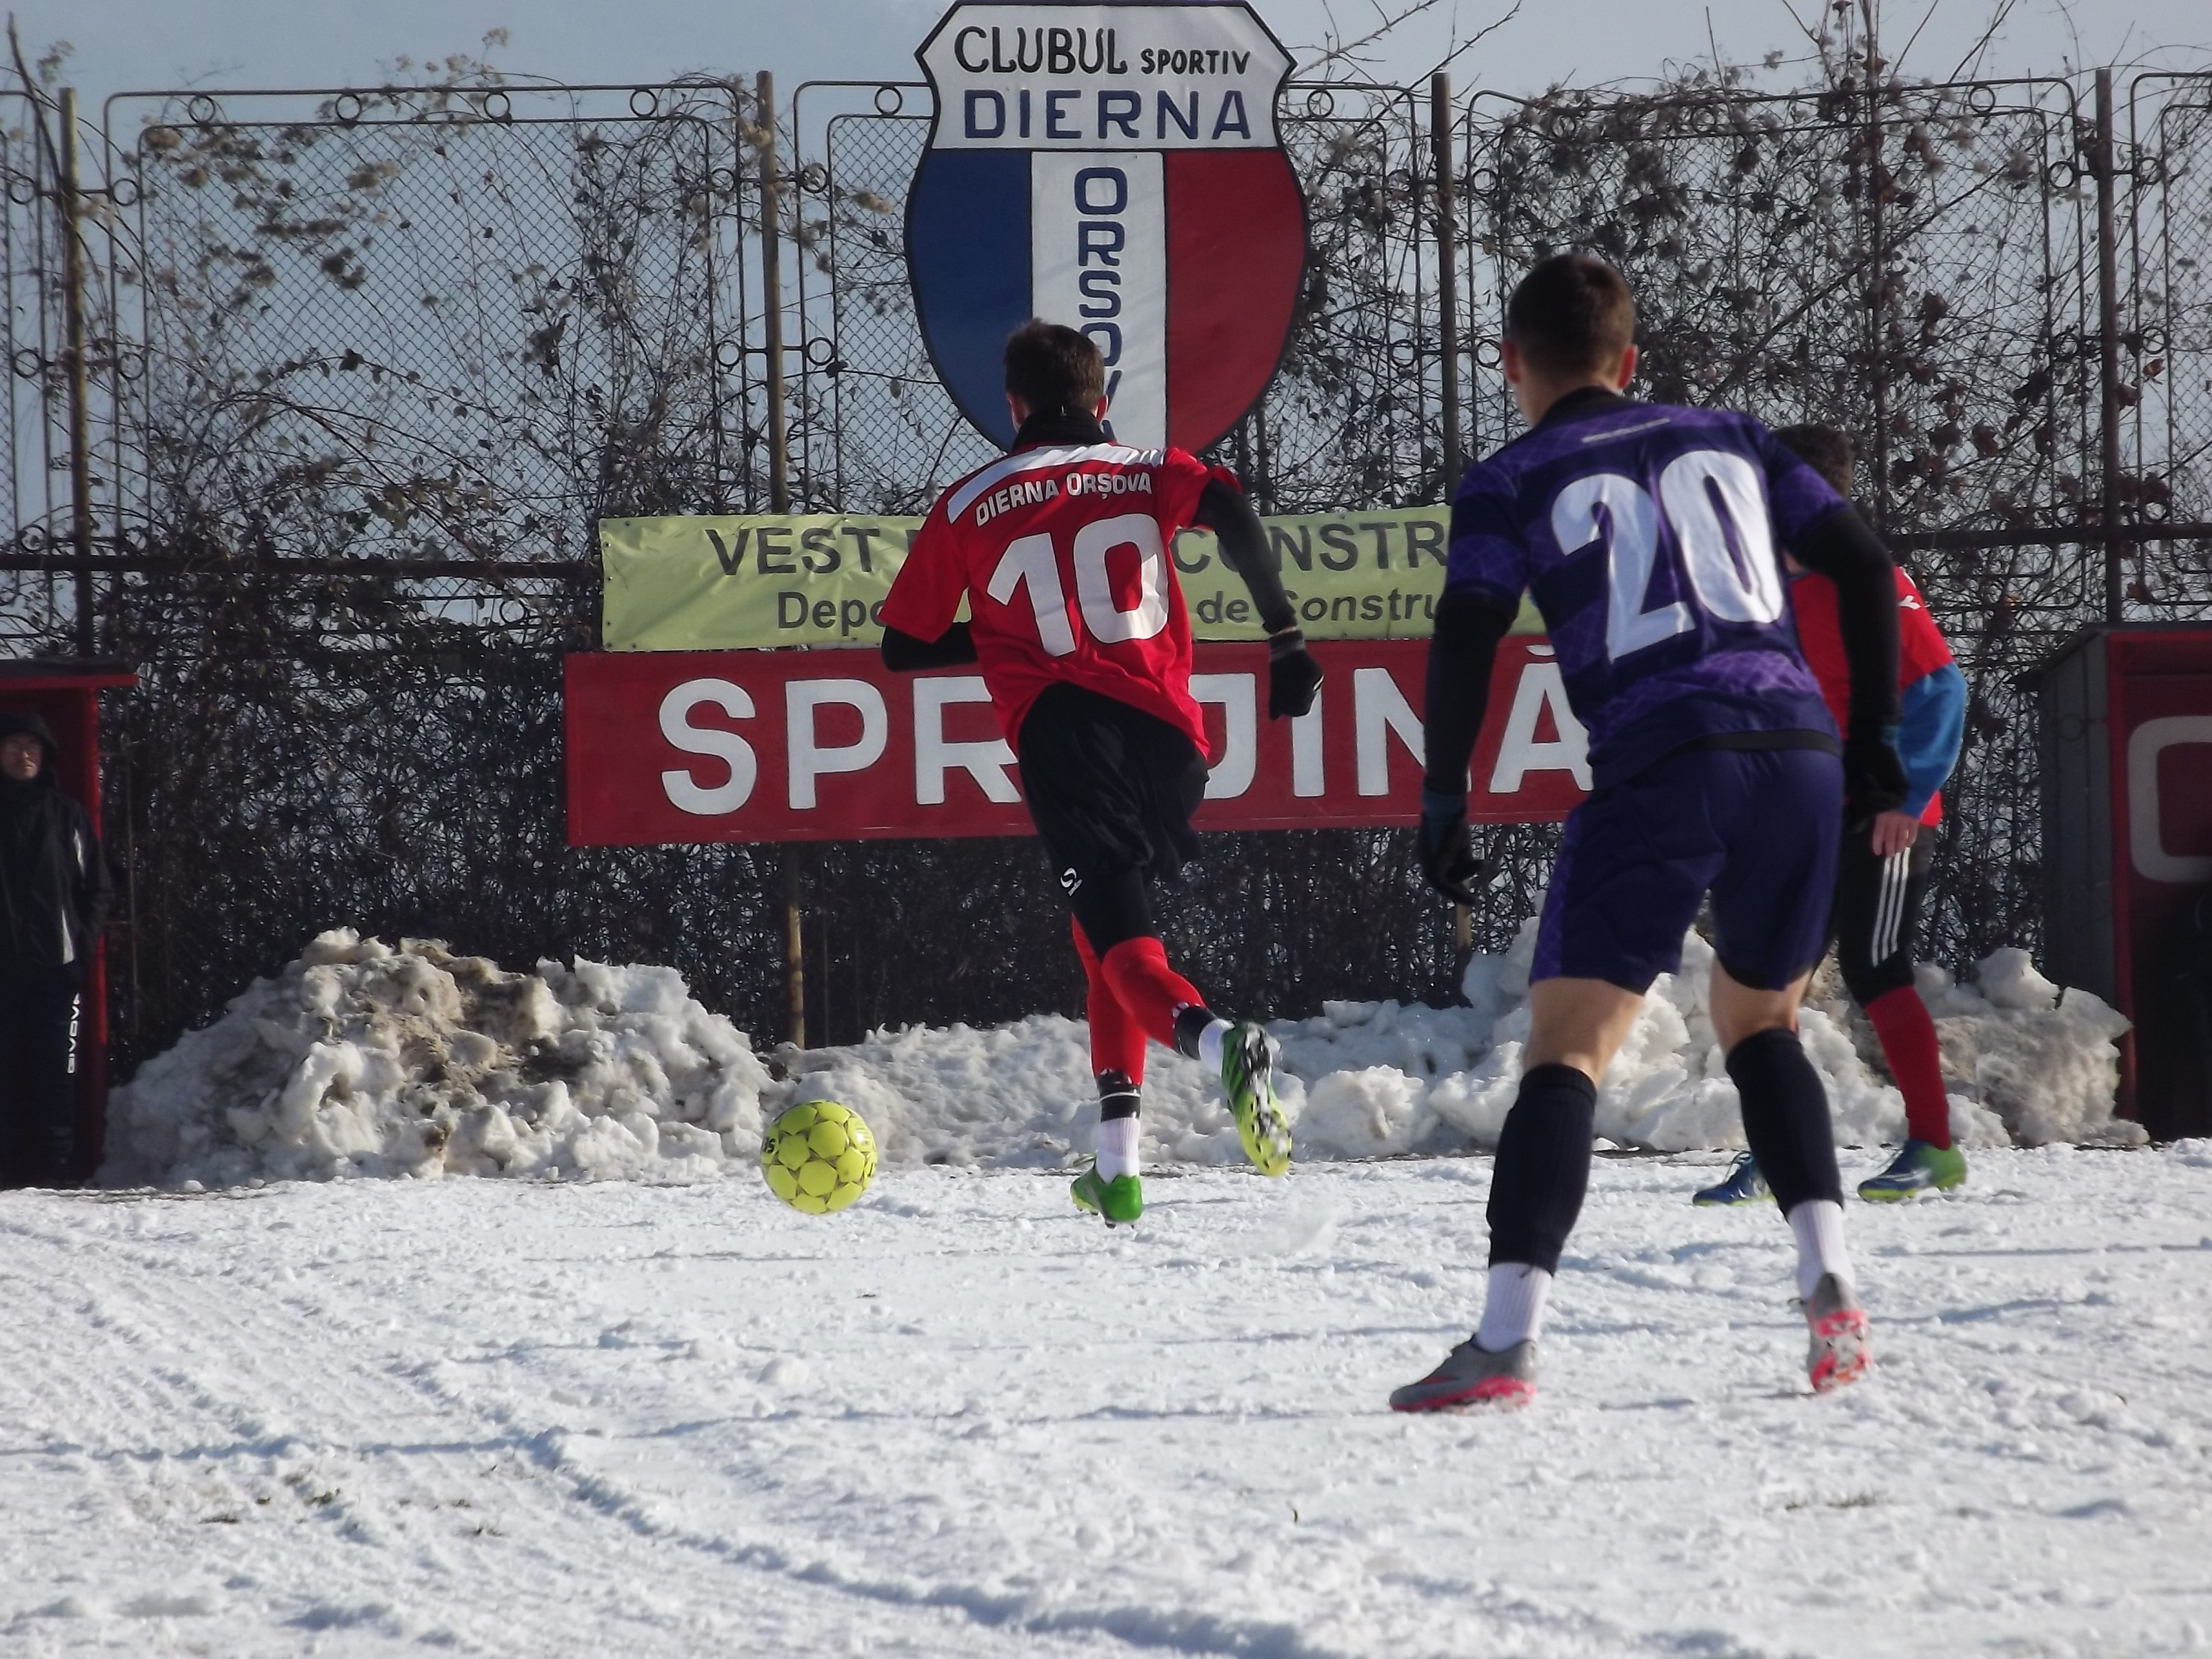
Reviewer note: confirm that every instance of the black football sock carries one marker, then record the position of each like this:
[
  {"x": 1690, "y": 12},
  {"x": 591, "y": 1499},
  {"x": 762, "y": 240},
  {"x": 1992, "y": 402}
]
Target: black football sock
[
  {"x": 1543, "y": 1167},
  {"x": 1190, "y": 1024},
  {"x": 1118, "y": 1134},
  {"x": 1785, "y": 1118}
]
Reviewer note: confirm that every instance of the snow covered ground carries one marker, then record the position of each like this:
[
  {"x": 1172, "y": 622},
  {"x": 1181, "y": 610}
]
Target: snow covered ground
[{"x": 553, "y": 1419}]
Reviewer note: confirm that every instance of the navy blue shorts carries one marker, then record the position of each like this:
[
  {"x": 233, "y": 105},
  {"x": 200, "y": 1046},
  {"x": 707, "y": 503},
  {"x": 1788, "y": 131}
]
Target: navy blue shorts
[{"x": 1756, "y": 828}]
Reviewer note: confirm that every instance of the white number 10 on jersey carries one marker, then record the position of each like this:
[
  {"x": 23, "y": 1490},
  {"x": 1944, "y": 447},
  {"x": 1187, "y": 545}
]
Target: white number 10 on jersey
[{"x": 1032, "y": 562}]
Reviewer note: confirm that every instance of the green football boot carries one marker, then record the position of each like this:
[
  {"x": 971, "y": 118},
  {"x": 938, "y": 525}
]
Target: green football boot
[
  {"x": 1248, "y": 1078},
  {"x": 1919, "y": 1168},
  {"x": 1120, "y": 1200}
]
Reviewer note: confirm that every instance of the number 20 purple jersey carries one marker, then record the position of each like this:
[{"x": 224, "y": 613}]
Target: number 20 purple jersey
[{"x": 1649, "y": 537}]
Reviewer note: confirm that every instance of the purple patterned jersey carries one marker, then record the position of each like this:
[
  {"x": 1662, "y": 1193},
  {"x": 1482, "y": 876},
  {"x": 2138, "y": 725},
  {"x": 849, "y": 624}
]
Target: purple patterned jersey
[{"x": 1650, "y": 538}]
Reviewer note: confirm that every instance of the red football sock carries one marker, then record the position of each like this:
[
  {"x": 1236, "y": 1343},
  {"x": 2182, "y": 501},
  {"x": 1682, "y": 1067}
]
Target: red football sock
[
  {"x": 1117, "y": 1041},
  {"x": 1908, "y": 1040},
  {"x": 1151, "y": 991}
]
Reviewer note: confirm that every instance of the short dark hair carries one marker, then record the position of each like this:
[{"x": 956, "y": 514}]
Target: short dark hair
[
  {"x": 1824, "y": 449},
  {"x": 1572, "y": 315},
  {"x": 1051, "y": 367}
]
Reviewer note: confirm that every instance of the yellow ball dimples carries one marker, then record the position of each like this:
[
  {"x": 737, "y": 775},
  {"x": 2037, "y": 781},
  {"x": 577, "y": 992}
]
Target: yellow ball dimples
[{"x": 818, "y": 1157}]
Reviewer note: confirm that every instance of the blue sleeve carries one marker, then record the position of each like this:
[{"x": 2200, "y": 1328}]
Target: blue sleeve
[
  {"x": 1488, "y": 556},
  {"x": 1928, "y": 735}
]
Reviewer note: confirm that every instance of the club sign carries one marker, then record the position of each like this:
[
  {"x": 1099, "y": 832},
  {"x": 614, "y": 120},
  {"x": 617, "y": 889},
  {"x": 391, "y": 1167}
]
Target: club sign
[{"x": 1118, "y": 168}]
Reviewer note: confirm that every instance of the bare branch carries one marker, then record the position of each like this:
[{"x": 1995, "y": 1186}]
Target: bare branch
[
  {"x": 1345, "y": 52},
  {"x": 1913, "y": 39},
  {"x": 36, "y": 94},
  {"x": 1472, "y": 41},
  {"x": 1972, "y": 62}
]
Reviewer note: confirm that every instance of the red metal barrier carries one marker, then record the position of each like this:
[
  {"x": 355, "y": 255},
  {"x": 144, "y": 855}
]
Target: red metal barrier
[{"x": 2127, "y": 770}]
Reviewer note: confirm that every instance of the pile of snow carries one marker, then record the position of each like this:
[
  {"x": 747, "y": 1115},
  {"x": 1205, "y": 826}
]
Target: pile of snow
[
  {"x": 361, "y": 1059},
  {"x": 2040, "y": 1059},
  {"x": 2024, "y": 1063},
  {"x": 1667, "y": 1089}
]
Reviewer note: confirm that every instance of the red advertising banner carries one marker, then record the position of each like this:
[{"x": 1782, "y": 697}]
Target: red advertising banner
[{"x": 682, "y": 747}]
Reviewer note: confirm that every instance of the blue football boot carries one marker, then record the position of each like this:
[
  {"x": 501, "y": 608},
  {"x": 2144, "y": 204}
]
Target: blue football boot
[{"x": 1743, "y": 1185}]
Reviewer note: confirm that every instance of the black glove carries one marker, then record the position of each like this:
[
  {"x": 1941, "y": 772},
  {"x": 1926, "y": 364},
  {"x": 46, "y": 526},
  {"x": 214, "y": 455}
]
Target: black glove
[
  {"x": 1293, "y": 675},
  {"x": 1874, "y": 777},
  {"x": 1446, "y": 860}
]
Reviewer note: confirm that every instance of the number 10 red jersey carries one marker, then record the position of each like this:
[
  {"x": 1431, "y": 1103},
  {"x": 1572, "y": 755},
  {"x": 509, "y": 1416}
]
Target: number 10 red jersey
[{"x": 1063, "y": 553}]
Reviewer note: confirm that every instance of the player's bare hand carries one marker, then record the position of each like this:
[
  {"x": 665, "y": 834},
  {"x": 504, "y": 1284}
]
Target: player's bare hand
[
  {"x": 1894, "y": 832},
  {"x": 1293, "y": 675}
]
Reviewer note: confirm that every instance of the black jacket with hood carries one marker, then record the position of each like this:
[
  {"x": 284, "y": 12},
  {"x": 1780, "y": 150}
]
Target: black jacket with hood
[{"x": 55, "y": 889}]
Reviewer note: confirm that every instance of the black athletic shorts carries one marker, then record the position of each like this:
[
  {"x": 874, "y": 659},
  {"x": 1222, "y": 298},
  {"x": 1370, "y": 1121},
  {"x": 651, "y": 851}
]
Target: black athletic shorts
[
  {"x": 1111, "y": 789},
  {"x": 1876, "y": 920}
]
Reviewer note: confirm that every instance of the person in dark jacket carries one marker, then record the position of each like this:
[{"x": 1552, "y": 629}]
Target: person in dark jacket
[{"x": 55, "y": 891}]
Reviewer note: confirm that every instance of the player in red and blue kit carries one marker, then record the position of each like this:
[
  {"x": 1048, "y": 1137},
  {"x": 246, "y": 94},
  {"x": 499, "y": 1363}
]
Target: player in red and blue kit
[
  {"x": 1060, "y": 551},
  {"x": 1646, "y": 534},
  {"x": 1882, "y": 873}
]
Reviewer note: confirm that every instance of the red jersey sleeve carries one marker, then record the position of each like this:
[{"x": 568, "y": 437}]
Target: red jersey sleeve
[
  {"x": 1178, "y": 482},
  {"x": 926, "y": 593},
  {"x": 1920, "y": 647}
]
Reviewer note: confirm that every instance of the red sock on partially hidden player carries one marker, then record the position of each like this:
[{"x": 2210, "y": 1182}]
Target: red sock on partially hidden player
[
  {"x": 1138, "y": 971},
  {"x": 1117, "y": 1041},
  {"x": 1908, "y": 1039}
]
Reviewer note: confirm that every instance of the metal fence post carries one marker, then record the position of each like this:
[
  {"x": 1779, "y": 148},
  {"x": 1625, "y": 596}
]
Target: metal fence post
[
  {"x": 779, "y": 458},
  {"x": 779, "y": 497},
  {"x": 1440, "y": 141},
  {"x": 80, "y": 420},
  {"x": 1877, "y": 279},
  {"x": 2108, "y": 353},
  {"x": 1440, "y": 150},
  {"x": 794, "y": 952}
]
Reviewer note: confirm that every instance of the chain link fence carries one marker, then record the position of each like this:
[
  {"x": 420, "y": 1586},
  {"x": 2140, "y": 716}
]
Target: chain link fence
[
  {"x": 39, "y": 603},
  {"x": 367, "y": 367},
  {"x": 2167, "y": 327},
  {"x": 474, "y": 321},
  {"x": 873, "y": 429},
  {"x": 399, "y": 351}
]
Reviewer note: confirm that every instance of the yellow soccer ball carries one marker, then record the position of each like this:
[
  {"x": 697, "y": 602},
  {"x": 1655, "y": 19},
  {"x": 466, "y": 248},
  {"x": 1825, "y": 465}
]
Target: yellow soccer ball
[{"x": 818, "y": 1157}]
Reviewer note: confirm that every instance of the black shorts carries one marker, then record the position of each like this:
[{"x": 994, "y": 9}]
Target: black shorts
[
  {"x": 1111, "y": 789},
  {"x": 1876, "y": 920}
]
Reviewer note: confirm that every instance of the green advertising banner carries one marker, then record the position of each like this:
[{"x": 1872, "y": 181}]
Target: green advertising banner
[{"x": 764, "y": 581}]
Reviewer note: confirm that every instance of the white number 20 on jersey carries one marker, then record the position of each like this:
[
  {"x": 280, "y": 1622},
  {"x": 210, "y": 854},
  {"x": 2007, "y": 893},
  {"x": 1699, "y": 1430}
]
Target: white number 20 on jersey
[
  {"x": 1030, "y": 562},
  {"x": 1708, "y": 497}
]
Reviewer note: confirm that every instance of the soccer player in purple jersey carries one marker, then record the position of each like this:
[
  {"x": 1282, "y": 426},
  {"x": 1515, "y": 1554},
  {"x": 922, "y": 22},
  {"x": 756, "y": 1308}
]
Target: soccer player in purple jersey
[{"x": 1646, "y": 534}]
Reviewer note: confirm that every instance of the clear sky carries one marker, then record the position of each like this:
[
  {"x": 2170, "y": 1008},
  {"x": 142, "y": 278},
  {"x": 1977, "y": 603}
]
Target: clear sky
[{"x": 147, "y": 44}]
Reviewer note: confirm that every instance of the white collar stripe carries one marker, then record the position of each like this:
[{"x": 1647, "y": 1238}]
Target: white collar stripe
[{"x": 1030, "y": 459}]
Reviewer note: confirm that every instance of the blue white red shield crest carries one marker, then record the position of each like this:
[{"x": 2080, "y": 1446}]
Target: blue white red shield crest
[{"x": 1117, "y": 168}]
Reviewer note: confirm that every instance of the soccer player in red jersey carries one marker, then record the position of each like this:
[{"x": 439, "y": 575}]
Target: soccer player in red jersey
[
  {"x": 1881, "y": 875},
  {"x": 1060, "y": 550}
]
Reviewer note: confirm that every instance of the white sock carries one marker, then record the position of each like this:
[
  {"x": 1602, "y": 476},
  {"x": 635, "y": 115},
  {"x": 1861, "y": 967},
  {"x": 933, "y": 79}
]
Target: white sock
[
  {"x": 1117, "y": 1147},
  {"x": 1818, "y": 1227},
  {"x": 1209, "y": 1044},
  {"x": 1514, "y": 1311}
]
